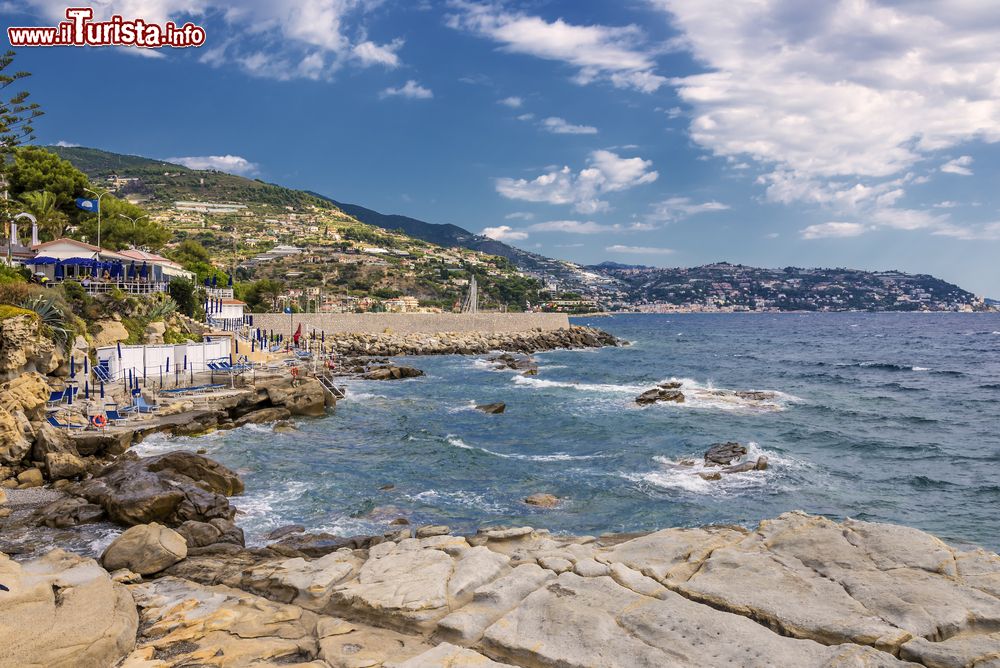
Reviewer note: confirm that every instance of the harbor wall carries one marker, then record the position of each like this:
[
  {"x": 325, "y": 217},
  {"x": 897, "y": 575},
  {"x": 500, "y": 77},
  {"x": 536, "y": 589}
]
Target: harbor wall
[{"x": 410, "y": 323}]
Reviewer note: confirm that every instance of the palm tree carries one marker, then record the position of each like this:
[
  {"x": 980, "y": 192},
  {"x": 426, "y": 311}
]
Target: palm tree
[{"x": 42, "y": 204}]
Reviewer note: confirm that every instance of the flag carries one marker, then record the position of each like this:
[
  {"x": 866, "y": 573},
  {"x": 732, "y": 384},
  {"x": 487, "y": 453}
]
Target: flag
[
  {"x": 297, "y": 335},
  {"x": 90, "y": 205}
]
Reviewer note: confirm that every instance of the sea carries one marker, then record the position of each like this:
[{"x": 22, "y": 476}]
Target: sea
[{"x": 880, "y": 417}]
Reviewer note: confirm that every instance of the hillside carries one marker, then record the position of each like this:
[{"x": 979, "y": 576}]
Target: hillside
[
  {"x": 163, "y": 183},
  {"x": 453, "y": 236},
  {"x": 724, "y": 286}
]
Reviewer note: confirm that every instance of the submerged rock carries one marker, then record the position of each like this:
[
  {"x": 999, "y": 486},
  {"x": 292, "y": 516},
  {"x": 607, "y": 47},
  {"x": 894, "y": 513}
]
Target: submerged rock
[
  {"x": 493, "y": 409},
  {"x": 723, "y": 454},
  {"x": 658, "y": 394},
  {"x": 392, "y": 373},
  {"x": 542, "y": 500}
]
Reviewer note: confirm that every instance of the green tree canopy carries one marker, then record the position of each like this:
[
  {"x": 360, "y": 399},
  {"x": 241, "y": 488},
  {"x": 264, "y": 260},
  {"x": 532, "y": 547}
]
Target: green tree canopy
[
  {"x": 117, "y": 228},
  {"x": 16, "y": 113},
  {"x": 194, "y": 257},
  {"x": 35, "y": 169},
  {"x": 42, "y": 204}
]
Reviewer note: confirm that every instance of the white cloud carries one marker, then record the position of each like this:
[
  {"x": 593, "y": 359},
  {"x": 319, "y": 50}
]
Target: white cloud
[
  {"x": 525, "y": 117},
  {"x": 66, "y": 144},
  {"x": 598, "y": 52},
  {"x": 504, "y": 233},
  {"x": 833, "y": 100},
  {"x": 678, "y": 208},
  {"x": 639, "y": 250},
  {"x": 559, "y": 126},
  {"x": 519, "y": 215},
  {"x": 606, "y": 172},
  {"x": 299, "y": 39},
  {"x": 370, "y": 53},
  {"x": 411, "y": 89},
  {"x": 958, "y": 166},
  {"x": 231, "y": 164},
  {"x": 513, "y": 102},
  {"x": 833, "y": 230},
  {"x": 573, "y": 227}
]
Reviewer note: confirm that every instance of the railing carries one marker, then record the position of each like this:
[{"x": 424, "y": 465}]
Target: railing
[{"x": 132, "y": 287}]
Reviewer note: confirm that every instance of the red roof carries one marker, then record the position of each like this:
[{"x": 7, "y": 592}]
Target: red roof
[{"x": 234, "y": 301}]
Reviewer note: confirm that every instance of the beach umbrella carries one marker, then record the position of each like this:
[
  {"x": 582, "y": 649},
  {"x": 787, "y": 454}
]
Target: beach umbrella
[
  {"x": 168, "y": 365},
  {"x": 60, "y": 273},
  {"x": 161, "y": 375},
  {"x": 69, "y": 397},
  {"x": 215, "y": 280},
  {"x": 185, "y": 361},
  {"x": 85, "y": 361},
  {"x": 237, "y": 342},
  {"x": 230, "y": 282},
  {"x": 86, "y": 389},
  {"x": 253, "y": 343},
  {"x": 44, "y": 260},
  {"x": 131, "y": 269},
  {"x": 72, "y": 366},
  {"x": 102, "y": 389},
  {"x": 322, "y": 336},
  {"x": 144, "y": 270},
  {"x": 206, "y": 282}
]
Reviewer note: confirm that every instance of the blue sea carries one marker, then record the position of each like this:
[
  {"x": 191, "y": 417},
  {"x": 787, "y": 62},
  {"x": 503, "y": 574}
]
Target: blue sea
[{"x": 884, "y": 417}]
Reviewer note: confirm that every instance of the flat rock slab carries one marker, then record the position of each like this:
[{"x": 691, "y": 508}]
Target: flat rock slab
[
  {"x": 582, "y": 622},
  {"x": 446, "y": 655}
]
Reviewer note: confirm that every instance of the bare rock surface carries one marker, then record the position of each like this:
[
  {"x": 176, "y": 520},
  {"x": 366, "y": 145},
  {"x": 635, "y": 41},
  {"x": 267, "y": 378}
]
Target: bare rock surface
[
  {"x": 63, "y": 611},
  {"x": 145, "y": 549}
]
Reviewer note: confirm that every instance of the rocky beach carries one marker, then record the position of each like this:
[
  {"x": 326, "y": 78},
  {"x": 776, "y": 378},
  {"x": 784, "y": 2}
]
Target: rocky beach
[{"x": 179, "y": 584}]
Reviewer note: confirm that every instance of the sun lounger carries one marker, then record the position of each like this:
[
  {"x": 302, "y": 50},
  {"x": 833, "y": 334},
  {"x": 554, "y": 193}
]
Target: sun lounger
[
  {"x": 143, "y": 407},
  {"x": 56, "y": 423},
  {"x": 56, "y": 397},
  {"x": 115, "y": 417}
]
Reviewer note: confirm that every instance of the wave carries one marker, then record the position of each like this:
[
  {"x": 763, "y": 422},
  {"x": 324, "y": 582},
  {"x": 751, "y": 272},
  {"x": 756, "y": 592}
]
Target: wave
[
  {"x": 884, "y": 366},
  {"x": 474, "y": 500},
  {"x": 557, "y": 457},
  {"x": 707, "y": 396},
  {"x": 683, "y": 474},
  {"x": 534, "y": 381}
]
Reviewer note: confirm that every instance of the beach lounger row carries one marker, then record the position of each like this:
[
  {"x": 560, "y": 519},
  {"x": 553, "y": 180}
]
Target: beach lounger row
[
  {"x": 63, "y": 395},
  {"x": 193, "y": 388}
]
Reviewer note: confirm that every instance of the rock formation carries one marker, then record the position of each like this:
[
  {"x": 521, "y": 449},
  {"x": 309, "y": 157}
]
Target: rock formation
[{"x": 468, "y": 343}]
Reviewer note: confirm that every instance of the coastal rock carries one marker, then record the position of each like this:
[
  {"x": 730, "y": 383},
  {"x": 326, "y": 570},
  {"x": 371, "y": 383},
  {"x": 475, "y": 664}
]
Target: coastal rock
[
  {"x": 447, "y": 655},
  {"x": 495, "y": 408},
  {"x": 199, "y": 534},
  {"x": 24, "y": 349},
  {"x": 432, "y": 530},
  {"x": 723, "y": 454},
  {"x": 625, "y": 629},
  {"x": 145, "y": 549},
  {"x": 63, "y": 611},
  {"x": 109, "y": 332},
  {"x": 263, "y": 415},
  {"x": 306, "y": 397},
  {"x": 468, "y": 343},
  {"x": 319, "y": 544},
  {"x": 392, "y": 373},
  {"x": 30, "y": 478},
  {"x": 658, "y": 394},
  {"x": 22, "y": 400},
  {"x": 542, "y": 500},
  {"x": 61, "y": 465},
  {"x": 169, "y": 488},
  {"x": 68, "y": 512}
]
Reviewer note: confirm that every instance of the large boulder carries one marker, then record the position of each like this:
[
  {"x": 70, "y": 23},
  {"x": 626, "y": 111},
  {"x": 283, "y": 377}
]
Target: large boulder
[
  {"x": 22, "y": 401},
  {"x": 493, "y": 409},
  {"x": 392, "y": 372},
  {"x": 109, "y": 333},
  {"x": 724, "y": 454},
  {"x": 145, "y": 549},
  {"x": 306, "y": 397},
  {"x": 658, "y": 394},
  {"x": 170, "y": 488},
  {"x": 63, "y": 611},
  {"x": 59, "y": 465},
  {"x": 23, "y": 347}
]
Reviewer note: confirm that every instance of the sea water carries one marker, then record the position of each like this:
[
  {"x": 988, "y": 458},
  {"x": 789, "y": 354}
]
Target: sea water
[{"x": 882, "y": 417}]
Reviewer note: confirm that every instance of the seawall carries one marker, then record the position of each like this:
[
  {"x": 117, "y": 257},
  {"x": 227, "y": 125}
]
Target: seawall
[{"x": 410, "y": 323}]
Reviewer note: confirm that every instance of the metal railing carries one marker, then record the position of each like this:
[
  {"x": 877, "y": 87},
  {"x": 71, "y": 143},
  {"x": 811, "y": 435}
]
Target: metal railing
[{"x": 132, "y": 287}]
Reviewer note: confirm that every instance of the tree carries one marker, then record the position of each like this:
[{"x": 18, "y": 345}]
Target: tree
[
  {"x": 263, "y": 294},
  {"x": 195, "y": 257},
  {"x": 118, "y": 231},
  {"x": 35, "y": 169},
  {"x": 51, "y": 221},
  {"x": 16, "y": 113},
  {"x": 184, "y": 292}
]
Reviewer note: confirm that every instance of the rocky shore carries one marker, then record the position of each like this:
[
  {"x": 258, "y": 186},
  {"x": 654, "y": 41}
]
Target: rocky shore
[
  {"x": 798, "y": 590},
  {"x": 391, "y": 344}
]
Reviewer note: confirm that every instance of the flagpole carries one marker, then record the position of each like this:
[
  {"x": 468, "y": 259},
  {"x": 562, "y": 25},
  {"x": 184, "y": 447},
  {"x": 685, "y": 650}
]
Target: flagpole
[{"x": 99, "y": 196}]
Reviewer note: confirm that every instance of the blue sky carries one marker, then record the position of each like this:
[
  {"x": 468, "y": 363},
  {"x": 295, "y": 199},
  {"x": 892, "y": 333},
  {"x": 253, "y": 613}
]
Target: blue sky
[{"x": 663, "y": 132}]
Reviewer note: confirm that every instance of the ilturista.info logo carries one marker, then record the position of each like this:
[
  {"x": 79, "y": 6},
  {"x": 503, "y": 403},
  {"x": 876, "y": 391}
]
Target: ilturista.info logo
[{"x": 81, "y": 30}]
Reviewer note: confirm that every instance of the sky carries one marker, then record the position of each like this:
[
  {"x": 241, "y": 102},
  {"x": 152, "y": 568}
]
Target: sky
[{"x": 846, "y": 133}]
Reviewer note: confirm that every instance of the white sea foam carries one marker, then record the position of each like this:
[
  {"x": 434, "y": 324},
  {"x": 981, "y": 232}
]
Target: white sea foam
[
  {"x": 262, "y": 509},
  {"x": 672, "y": 474},
  {"x": 556, "y": 457},
  {"x": 474, "y": 500},
  {"x": 534, "y": 381},
  {"x": 706, "y": 396}
]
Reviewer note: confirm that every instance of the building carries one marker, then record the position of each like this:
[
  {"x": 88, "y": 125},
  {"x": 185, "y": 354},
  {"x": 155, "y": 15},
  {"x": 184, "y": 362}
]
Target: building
[{"x": 101, "y": 270}]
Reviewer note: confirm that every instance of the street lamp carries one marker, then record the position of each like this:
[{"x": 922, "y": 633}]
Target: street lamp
[
  {"x": 99, "y": 196},
  {"x": 130, "y": 218}
]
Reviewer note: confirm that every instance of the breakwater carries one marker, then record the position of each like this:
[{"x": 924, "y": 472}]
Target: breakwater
[{"x": 411, "y": 323}]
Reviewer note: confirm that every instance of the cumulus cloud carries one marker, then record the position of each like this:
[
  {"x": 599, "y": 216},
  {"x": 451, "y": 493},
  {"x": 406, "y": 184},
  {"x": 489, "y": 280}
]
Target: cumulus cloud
[
  {"x": 678, "y": 208},
  {"x": 834, "y": 100},
  {"x": 281, "y": 40},
  {"x": 65, "y": 144},
  {"x": 513, "y": 102},
  {"x": 573, "y": 227},
  {"x": 519, "y": 215},
  {"x": 560, "y": 126},
  {"x": 958, "y": 166},
  {"x": 833, "y": 229},
  {"x": 639, "y": 250},
  {"x": 370, "y": 53},
  {"x": 411, "y": 89},
  {"x": 504, "y": 233},
  {"x": 607, "y": 172},
  {"x": 597, "y": 52},
  {"x": 231, "y": 164}
]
